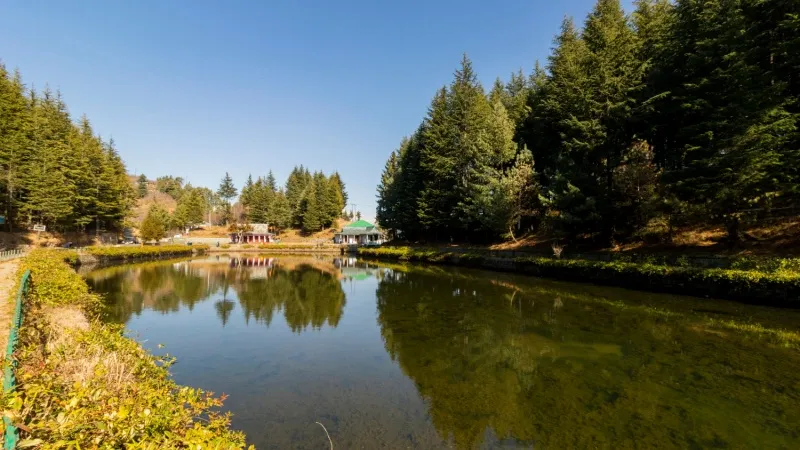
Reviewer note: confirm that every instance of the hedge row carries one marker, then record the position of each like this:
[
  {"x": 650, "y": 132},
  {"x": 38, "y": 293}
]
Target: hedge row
[
  {"x": 777, "y": 288},
  {"x": 94, "y": 387},
  {"x": 146, "y": 251}
]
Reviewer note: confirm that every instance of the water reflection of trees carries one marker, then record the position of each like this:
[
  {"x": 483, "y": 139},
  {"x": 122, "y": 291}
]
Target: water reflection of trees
[
  {"x": 308, "y": 294},
  {"x": 556, "y": 369}
]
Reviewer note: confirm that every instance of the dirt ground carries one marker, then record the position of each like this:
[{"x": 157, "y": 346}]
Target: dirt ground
[
  {"x": 779, "y": 237},
  {"x": 8, "y": 272}
]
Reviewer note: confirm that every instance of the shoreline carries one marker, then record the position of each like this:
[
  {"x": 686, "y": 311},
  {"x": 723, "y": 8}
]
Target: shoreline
[
  {"x": 780, "y": 289},
  {"x": 74, "y": 368},
  {"x": 273, "y": 250}
]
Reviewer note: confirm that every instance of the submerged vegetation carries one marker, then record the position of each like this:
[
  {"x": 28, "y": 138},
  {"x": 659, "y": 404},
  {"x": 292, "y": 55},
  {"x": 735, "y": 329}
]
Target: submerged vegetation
[
  {"x": 536, "y": 361},
  {"x": 83, "y": 384}
]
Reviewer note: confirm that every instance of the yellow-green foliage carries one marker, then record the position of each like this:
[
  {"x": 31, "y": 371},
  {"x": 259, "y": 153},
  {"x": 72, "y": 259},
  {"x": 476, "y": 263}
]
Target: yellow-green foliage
[
  {"x": 131, "y": 252},
  {"x": 287, "y": 246},
  {"x": 55, "y": 283},
  {"x": 780, "y": 287},
  {"x": 95, "y": 388}
]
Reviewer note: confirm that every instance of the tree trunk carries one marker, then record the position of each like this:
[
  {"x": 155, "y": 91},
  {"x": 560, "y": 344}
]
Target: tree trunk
[{"x": 734, "y": 232}]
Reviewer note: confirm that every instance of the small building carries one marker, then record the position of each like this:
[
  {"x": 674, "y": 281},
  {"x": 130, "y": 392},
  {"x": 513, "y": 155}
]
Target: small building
[
  {"x": 258, "y": 235},
  {"x": 360, "y": 232}
]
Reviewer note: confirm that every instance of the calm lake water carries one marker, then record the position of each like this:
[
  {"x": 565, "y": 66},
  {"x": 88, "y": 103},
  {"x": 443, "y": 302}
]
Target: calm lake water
[{"x": 392, "y": 356}]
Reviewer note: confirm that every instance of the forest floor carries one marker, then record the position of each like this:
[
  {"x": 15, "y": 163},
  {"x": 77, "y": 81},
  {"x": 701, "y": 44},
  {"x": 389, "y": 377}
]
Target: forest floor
[
  {"x": 777, "y": 237},
  {"x": 8, "y": 272}
]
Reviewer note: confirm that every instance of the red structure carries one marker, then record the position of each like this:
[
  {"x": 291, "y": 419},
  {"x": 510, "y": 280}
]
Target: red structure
[
  {"x": 253, "y": 238},
  {"x": 258, "y": 235}
]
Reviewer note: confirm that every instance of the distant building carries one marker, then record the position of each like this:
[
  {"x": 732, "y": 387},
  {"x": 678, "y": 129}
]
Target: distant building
[
  {"x": 259, "y": 234},
  {"x": 360, "y": 232}
]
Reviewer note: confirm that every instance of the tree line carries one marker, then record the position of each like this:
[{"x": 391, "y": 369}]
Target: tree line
[
  {"x": 53, "y": 171},
  {"x": 677, "y": 114},
  {"x": 310, "y": 202}
]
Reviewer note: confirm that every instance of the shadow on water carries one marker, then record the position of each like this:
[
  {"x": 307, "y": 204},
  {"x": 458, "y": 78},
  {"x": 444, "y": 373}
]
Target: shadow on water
[{"x": 394, "y": 356}]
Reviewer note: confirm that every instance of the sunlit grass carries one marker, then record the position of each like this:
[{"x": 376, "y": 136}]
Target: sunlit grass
[{"x": 780, "y": 337}]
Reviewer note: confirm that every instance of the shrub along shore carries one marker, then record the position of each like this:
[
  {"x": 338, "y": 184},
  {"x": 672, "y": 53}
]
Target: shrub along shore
[
  {"x": 102, "y": 254},
  {"x": 82, "y": 384},
  {"x": 778, "y": 287}
]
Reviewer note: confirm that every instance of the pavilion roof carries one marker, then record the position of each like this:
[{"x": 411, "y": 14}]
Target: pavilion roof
[{"x": 360, "y": 224}]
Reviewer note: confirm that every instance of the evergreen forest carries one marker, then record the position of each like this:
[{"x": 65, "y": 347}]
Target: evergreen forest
[
  {"x": 308, "y": 202},
  {"x": 54, "y": 171},
  {"x": 678, "y": 113},
  {"x": 59, "y": 173}
]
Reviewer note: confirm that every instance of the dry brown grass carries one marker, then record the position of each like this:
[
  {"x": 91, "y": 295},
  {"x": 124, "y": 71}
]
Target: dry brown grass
[
  {"x": 216, "y": 231},
  {"x": 153, "y": 197},
  {"x": 780, "y": 236},
  {"x": 79, "y": 360}
]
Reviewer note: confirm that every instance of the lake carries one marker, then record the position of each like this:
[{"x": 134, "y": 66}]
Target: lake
[{"x": 401, "y": 356}]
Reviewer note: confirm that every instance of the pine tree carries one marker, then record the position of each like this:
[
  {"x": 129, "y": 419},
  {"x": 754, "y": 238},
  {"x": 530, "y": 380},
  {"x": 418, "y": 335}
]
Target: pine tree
[
  {"x": 172, "y": 186},
  {"x": 385, "y": 211},
  {"x": 270, "y": 183},
  {"x": 310, "y": 210},
  {"x": 280, "y": 213},
  {"x": 296, "y": 186},
  {"x": 227, "y": 191},
  {"x": 153, "y": 226},
  {"x": 142, "y": 186},
  {"x": 262, "y": 200},
  {"x": 514, "y": 197},
  {"x": 49, "y": 193},
  {"x": 726, "y": 120},
  {"x": 247, "y": 192},
  {"x": 339, "y": 193},
  {"x": 15, "y": 123}
]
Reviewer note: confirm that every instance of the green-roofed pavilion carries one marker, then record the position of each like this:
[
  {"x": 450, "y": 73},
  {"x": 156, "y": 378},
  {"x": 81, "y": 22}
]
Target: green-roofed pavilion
[
  {"x": 359, "y": 232},
  {"x": 360, "y": 224}
]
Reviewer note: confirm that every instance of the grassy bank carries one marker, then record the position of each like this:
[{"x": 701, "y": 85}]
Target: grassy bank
[
  {"x": 776, "y": 284},
  {"x": 83, "y": 384},
  {"x": 129, "y": 253},
  {"x": 276, "y": 247}
]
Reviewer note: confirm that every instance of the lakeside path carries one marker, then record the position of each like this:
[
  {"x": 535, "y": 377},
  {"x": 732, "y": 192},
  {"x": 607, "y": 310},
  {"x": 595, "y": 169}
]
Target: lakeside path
[{"x": 8, "y": 279}]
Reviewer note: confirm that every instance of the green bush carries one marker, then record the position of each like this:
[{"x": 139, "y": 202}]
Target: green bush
[
  {"x": 770, "y": 265},
  {"x": 54, "y": 281},
  {"x": 145, "y": 251},
  {"x": 94, "y": 387}
]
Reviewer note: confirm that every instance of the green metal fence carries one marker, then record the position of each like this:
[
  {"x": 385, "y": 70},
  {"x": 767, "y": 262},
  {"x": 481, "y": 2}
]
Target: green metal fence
[{"x": 9, "y": 379}]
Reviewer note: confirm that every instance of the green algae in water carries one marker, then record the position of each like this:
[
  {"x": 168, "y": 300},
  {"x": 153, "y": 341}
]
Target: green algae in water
[{"x": 400, "y": 356}]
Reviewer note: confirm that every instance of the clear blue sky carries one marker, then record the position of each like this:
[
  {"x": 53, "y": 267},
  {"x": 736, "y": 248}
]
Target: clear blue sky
[{"x": 197, "y": 88}]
